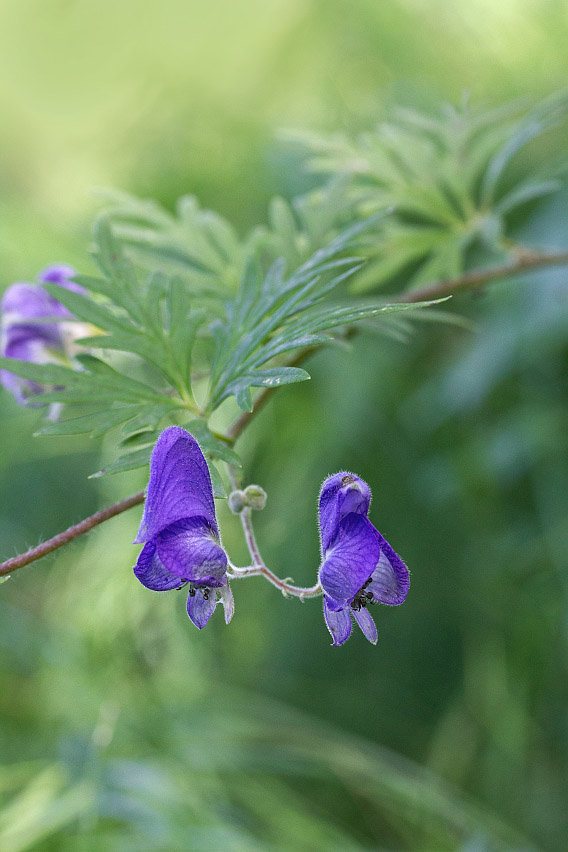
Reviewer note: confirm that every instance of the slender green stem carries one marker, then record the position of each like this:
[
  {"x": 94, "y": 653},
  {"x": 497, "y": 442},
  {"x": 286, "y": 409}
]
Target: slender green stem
[{"x": 259, "y": 568}]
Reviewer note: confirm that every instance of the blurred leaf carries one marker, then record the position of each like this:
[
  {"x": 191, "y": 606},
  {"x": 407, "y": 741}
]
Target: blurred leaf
[{"x": 41, "y": 809}]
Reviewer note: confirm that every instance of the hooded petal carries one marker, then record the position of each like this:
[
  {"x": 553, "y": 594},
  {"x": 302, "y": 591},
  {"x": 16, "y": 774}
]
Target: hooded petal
[
  {"x": 351, "y": 560},
  {"x": 151, "y": 572},
  {"x": 200, "y": 606},
  {"x": 338, "y": 623},
  {"x": 365, "y": 621},
  {"x": 340, "y": 495},
  {"x": 190, "y": 549},
  {"x": 179, "y": 487},
  {"x": 390, "y": 580}
]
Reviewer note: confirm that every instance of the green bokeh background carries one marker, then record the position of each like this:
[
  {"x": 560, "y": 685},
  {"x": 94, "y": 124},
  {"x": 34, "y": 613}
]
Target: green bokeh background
[{"x": 122, "y": 727}]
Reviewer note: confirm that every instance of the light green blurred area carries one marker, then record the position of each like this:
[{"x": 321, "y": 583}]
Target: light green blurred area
[
  {"x": 123, "y": 727},
  {"x": 172, "y": 96}
]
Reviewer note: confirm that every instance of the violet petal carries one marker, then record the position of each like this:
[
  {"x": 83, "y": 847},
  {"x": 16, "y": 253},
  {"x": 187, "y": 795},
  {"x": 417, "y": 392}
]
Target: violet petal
[
  {"x": 338, "y": 623},
  {"x": 180, "y": 484},
  {"x": 351, "y": 560},
  {"x": 365, "y": 621},
  {"x": 200, "y": 606},
  {"x": 152, "y": 573},
  {"x": 190, "y": 549},
  {"x": 390, "y": 580}
]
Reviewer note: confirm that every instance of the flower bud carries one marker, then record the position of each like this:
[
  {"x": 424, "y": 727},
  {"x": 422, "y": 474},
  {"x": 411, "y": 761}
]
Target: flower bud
[
  {"x": 237, "y": 502},
  {"x": 255, "y": 497}
]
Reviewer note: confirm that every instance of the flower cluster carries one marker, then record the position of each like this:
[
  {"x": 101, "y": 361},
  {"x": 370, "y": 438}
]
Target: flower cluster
[
  {"x": 182, "y": 545},
  {"x": 36, "y": 328}
]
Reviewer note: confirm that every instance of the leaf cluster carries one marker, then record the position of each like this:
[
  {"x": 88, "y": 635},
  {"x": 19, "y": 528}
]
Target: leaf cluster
[
  {"x": 455, "y": 182},
  {"x": 181, "y": 302}
]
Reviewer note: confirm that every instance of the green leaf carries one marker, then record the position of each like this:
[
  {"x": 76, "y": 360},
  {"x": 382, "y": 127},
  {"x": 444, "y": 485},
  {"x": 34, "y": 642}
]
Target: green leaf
[
  {"x": 140, "y": 439},
  {"x": 42, "y": 373},
  {"x": 183, "y": 325},
  {"x": 130, "y": 461},
  {"x": 84, "y": 308},
  {"x": 526, "y": 192},
  {"x": 103, "y": 384},
  {"x": 219, "y": 490},
  {"x": 276, "y": 376},
  {"x": 116, "y": 266},
  {"x": 150, "y": 417},
  {"x": 97, "y": 423},
  {"x": 243, "y": 396},
  {"x": 111, "y": 378},
  {"x": 270, "y": 378},
  {"x": 210, "y": 444}
]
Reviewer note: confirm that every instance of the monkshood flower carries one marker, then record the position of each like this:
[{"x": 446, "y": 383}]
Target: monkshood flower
[
  {"x": 34, "y": 328},
  {"x": 359, "y": 567},
  {"x": 179, "y": 529}
]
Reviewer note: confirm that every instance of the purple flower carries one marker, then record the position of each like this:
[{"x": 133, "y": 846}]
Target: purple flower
[
  {"x": 179, "y": 528},
  {"x": 32, "y": 327},
  {"x": 359, "y": 567}
]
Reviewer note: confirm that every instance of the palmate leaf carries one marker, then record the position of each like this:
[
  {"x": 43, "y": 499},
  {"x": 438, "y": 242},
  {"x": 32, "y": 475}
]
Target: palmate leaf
[
  {"x": 196, "y": 244},
  {"x": 263, "y": 307},
  {"x": 265, "y": 321},
  {"x": 160, "y": 328}
]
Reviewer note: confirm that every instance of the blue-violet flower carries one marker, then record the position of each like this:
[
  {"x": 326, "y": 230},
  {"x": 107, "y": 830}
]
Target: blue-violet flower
[
  {"x": 34, "y": 328},
  {"x": 359, "y": 567},
  {"x": 179, "y": 528}
]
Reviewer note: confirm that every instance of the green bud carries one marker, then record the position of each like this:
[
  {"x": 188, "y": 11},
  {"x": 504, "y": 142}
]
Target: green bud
[
  {"x": 255, "y": 497},
  {"x": 237, "y": 502}
]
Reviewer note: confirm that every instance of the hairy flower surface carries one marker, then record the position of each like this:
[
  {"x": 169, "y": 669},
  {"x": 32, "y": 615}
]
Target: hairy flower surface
[
  {"x": 179, "y": 528},
  {"x": 359, "y": 567},
  {"x": 33, "y": 328}
]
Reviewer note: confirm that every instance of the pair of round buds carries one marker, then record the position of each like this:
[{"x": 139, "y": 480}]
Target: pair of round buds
[{"x": 253, "y": 497}]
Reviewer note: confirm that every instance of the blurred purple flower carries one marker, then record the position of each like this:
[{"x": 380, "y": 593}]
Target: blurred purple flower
[
  {"x": 33, "y": 328},
  {"x": 179, "y": 528},
  {"x": 359, "y": 567}
]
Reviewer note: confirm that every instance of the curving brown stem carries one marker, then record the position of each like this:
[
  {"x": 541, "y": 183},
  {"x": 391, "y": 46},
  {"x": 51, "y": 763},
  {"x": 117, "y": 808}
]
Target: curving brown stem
[
  {"x": 69, "y": 534},
  {"x": 525, "y": 260},
  {"x": 259, "y": 567}
]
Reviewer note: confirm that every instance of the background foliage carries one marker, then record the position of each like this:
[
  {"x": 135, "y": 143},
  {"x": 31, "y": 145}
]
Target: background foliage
[{"x": 123, "y": 728}]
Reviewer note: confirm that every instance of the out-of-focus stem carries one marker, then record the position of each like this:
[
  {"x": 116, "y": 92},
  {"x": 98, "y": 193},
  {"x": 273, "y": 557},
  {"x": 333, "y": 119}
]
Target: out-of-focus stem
[{"x": 69, "y": 534}]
